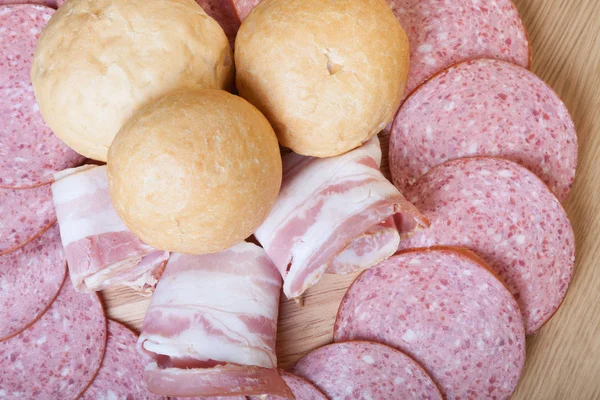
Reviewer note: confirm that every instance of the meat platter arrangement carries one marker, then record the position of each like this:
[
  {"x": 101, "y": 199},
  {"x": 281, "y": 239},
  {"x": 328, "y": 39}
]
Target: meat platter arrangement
[{"x": 215, "y": 155}]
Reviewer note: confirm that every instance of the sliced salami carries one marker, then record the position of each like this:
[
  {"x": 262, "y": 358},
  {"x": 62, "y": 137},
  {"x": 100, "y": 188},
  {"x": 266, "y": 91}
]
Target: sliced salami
[
  {"x": 442, "y": 33},
  {"x": 30, "y": 279},
  {"x": 121, "y": 375},
  {"x": 485, "y": 108},
  {"x": 47, "y": 3},
  {"x": 447, "y": 310},
  {"x": 59, "y": 355},
  {"x": 504, "y": 213},
  {"x": 243, "y": 7},
  {"x": 366, "y": 370},
  {"x": 24, "y": 215},
  {"x": 20, "y": 28},
  {"x": 29, "y": 152},
  {"x": 301, "y": 388}
]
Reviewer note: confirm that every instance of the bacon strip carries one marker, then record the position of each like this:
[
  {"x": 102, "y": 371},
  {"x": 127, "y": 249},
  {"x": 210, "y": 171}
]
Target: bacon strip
[
  {"x": 101, "y": 252},
  {"x": 211, "y": 326},
  {"x": 334, "y": 214}
]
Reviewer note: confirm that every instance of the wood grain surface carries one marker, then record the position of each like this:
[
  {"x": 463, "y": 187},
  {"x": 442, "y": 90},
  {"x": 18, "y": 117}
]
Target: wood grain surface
[{"x": 564, "y": 357}]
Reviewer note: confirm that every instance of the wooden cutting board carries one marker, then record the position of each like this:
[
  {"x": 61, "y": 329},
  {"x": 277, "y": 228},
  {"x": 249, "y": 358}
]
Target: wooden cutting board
[{"x": 564, "y": 357}]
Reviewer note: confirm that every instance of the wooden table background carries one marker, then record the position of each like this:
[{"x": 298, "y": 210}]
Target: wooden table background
[{"x": 564, "y": 357}]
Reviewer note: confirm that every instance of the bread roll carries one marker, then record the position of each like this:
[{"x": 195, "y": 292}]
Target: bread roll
[
  {"x": 195, "y": 172},
  {"x": 327, "y": 74},
  {"x": 98, "y": 61}
]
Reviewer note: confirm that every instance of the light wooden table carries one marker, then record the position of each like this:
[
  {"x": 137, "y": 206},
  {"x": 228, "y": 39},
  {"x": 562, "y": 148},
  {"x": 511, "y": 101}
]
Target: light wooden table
[{"x": 564, "y": 357}]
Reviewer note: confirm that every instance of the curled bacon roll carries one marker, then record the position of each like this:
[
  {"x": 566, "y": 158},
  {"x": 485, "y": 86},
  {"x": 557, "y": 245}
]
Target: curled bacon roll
[{"x": 336, "y": 215}]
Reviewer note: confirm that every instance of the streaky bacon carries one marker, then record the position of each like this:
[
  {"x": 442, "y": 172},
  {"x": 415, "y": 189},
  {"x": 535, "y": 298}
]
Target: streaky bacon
[
  {"x": 101, "y": 252},
  {"x": 336, "y": 215},
  {"x": 211, "y": 326}
]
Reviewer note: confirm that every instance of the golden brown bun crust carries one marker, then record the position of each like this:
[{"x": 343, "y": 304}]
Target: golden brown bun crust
[
  {"x": 195, "y": 172},
  {"x": 98, "y": 61},
  {"x": 327, "y": 74}
]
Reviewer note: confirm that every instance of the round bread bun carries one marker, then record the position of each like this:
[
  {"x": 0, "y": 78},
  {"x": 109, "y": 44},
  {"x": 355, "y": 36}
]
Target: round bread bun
[
  {"x": 327, "y": 74},
  {"x": 98, "y": 61},
  {"x": 195, "y": 172}
]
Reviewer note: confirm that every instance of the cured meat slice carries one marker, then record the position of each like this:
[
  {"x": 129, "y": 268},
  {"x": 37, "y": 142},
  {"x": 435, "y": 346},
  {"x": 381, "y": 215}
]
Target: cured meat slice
[
  {"x": 301, "y": 388},
  {"x": 504, "y": 213},
  {"x": 100, "y": 250},
  {"x": 447, "y": 310},
  {"x": 29, "y": 151},
  {"x": 47, "y": 3},
  {"x": 210, "y": 328},
  {"x": 373, "y": 246},
  {"x": 243, "y": 7},
  {"x": 24, "y": 215},
  {"x": 122, "y": 370},
  {"x": 30, "y": 279},
  {"x": 442, "y": 33},
  {"x": 366, "y": 370},
  {"x": 59, "y": 355},
  {"x": 223, "y": 12},
  {"x": 20, "y": 28},
  {"x": 330, "y": 208},
  {"x": 485, "y": 108}
]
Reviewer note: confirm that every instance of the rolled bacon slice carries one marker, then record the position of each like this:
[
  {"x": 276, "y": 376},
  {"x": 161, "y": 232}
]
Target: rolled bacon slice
[
  {"x": 336, "y": 215},
  {"x": 101, "y": 252},
  {"x": 211, "y": 326}
]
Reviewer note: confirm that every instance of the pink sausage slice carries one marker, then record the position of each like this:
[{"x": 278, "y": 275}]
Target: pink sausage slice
[
  {"x": 485, "y": 108},
  {"x": 448, "y": 311},
  {"x": 301, "y": 388},
  {"x": 30, "y": 279},
  {"x": 59, "y": 355},
  {"x": 122, "y": 373},
  {"x": 29, "y": 152},
  {"x": 445, "y": 32},
  {"x": 24, "y": 215},
  {"x": 47, "y": 3},
  {"x": 505, "y": 214},
  {"x": 366, "y": 370}
]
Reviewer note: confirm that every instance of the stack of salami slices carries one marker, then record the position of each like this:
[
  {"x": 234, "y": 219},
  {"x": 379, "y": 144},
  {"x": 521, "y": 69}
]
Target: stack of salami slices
[{"x": 32, "y": 261}]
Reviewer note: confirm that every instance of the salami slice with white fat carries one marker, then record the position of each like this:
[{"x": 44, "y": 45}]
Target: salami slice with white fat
[
  {"x": 506, "y": 214},
  {"x": 30, "y": 279},
  {"x": 442, "y": 33},
  {"x": 447, "y": 310},
  {"x": 366, "y": 370},
  {"x": 301, "y": 388},
  {"x": 121, "y": 375},
  {"x": 29, "y": 151},
  {"x": 485, "y": 108},
  {"x": 24, "y": 215},
  {"x": 59, "y": 355}
]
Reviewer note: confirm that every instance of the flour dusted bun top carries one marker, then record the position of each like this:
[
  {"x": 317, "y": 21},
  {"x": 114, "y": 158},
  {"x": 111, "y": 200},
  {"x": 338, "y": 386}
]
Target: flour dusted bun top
[
  {"x": 327, "y": 74},
  {"x": 195, "y": 172},
  {"x": 98, "y": 61}
]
